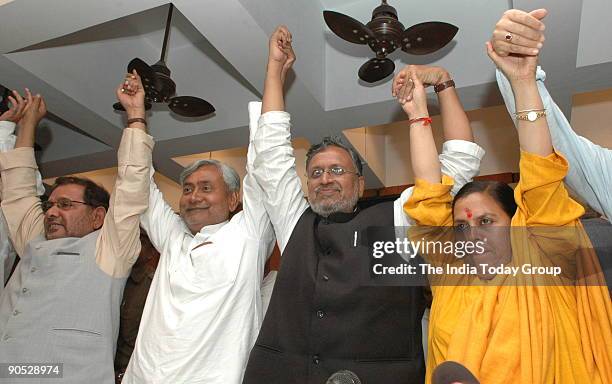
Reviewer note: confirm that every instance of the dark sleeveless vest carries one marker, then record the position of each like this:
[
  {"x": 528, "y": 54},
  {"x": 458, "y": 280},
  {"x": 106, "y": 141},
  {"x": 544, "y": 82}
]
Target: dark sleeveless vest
[{"x": 323, "y": 317}]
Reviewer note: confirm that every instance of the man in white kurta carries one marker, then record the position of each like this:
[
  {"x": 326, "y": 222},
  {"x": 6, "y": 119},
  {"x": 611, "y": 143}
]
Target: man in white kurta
[{"x": 204, "y": 308}]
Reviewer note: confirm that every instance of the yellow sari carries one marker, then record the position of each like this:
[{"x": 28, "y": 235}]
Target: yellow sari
[{"x": 523, "y": 332}]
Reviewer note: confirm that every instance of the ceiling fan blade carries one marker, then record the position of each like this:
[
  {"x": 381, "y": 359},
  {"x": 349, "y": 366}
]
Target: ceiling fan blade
[
  {"x": 376, "y": 69},
  {"x": 190, "y": 106},
  {"x": 143, "y": 69},
  {"x": 424, "y": 38},
  {"x": 118, "y": 107},
  {"x": 348, "y": 28},
  {"x": 146, "y": 73}
]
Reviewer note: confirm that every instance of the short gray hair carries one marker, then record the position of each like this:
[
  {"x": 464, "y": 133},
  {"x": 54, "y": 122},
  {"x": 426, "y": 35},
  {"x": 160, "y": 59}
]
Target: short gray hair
[
  {"x": 329, "y": 141},
  {"x": 230, "y": 176}
]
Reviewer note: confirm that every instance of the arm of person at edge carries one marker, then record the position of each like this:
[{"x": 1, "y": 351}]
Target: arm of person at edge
[
  {"x": 274, "y": 165},
  {"x": 8, "y": 121},
  {"x": 590, "y": 164},
  {"x": 118, "y": 244},
  {"x": 460, "y": 157},
  {"x": 21, "y": 204}
]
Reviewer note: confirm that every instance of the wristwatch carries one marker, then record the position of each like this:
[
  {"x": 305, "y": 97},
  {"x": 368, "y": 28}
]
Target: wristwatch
[
  {"x": 442, "y": 86},
  {"x": 530, "y": 115}
]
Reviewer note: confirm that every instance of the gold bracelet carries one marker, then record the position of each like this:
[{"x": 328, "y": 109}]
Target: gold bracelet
[{"x": 530, "y": 114}]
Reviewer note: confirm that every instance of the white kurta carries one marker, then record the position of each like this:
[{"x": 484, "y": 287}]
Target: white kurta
[{"x": 204, "y": 307}]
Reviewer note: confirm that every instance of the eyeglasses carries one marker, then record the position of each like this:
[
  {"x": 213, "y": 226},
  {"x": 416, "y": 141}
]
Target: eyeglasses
[
  {"x": 335, "y": 171},
  {"x": 62, "y": 203}
]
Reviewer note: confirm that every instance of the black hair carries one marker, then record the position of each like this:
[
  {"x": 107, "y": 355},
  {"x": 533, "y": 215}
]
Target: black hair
[
  {"x": 329, "y": 141},
  {"x": 500, "y": 192},
  {"x": 93, "y": 195}
]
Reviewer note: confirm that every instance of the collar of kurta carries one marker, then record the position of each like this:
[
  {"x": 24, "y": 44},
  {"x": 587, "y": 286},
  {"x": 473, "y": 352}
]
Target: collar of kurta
[{"x": 209, "y": 230}]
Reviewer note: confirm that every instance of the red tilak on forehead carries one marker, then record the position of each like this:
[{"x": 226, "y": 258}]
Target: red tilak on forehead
[{"x": 468, "y": 213}]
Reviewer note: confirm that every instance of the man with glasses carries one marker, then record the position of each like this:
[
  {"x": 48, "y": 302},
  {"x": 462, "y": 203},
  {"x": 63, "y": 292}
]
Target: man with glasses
[
  {"x": 61, "y": 306},
  {"x": 205, "y": 304},
  {"x": 323, "y": 317}
]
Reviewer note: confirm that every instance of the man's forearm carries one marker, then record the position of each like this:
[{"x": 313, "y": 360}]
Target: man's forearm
[
  {"x": 21, "y": 204},
  {"x": 26, "y": 134},
  {"x": 273, "y": 99},
  {"x": 455, "y": 122},
  {"x": 119, "y": 244}
]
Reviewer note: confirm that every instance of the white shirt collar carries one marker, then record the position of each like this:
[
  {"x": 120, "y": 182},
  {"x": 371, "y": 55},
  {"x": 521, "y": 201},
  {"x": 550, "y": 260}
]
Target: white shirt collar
[{"x": 209, "y": 230}]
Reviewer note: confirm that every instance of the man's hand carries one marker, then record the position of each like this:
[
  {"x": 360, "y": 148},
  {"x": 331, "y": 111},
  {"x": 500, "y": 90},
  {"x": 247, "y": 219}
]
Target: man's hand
[
  {"x": 35, "y": 110},
  {"x": 17, "y": 107},
  {"x": 427, "y": 75},
  {"x": 131, "y": 95},
  {"x": 519, "y": 32},
  {"x": 281, "y": 56}
]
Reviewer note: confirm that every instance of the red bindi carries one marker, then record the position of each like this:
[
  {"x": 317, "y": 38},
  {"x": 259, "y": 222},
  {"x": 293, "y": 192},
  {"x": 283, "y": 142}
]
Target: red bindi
[{"x": 468, "y": 213}]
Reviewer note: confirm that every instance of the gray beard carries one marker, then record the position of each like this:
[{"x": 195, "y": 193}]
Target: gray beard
[{"x": 347, "y": 205}]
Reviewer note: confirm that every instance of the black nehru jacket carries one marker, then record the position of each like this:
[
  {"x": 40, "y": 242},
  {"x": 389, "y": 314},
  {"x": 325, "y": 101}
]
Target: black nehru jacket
[{"x": 322, "y": 318}]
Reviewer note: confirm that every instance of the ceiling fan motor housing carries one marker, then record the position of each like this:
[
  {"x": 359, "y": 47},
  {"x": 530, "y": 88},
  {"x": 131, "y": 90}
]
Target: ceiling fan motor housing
[
  {"x": 164, "y": 85},
  {"x": 387, "y": 29}
]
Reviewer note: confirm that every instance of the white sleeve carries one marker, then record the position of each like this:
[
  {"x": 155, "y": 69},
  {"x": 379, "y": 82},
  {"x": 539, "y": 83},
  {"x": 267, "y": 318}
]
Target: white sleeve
[
  {"x": 256, "y": 217},
  {"x": 460, "y": 159},
  {"x": 274, "y": 170},
  {"x": 159, "y": 220}
]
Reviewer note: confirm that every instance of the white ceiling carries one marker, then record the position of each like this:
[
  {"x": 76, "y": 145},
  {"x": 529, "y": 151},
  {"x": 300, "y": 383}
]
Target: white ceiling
[{"x": 74, "y": 52}]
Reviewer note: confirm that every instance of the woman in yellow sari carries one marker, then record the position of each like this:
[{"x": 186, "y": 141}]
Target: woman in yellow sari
[{"x": 550, "y": 329}]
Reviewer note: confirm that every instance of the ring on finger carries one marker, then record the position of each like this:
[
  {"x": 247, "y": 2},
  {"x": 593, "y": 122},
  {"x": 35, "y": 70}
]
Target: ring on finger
[{"x": 508, "y": 37}]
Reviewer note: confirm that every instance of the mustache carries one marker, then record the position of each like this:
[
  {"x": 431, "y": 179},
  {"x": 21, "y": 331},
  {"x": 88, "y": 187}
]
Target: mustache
[
  {"x": 332, "y": 187},
  {"x": 49, "y": 222}
]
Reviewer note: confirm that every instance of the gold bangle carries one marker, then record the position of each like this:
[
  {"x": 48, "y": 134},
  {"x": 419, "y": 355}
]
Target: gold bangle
[{"x": 530, "y": 114}]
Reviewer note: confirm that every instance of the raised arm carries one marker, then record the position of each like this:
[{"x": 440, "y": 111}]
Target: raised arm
[
  {"x": 274, "y": 164},
  {"x": 280, "y": 60},
  {"x": 455, "y": 122},
  {"x": 429, "y": 201},
  {"x": 8, "y": 121},
  {"x": 460, "y": 157},
  {"x": 118, "y": 244},
  {"x": 20, "y": 201},
  {"x": 590, "y": 164},
  {"x": 540, "y": 194},
  {"x": 534, "y": 136},
  {"x": 423, "y": 151},
  {"x": 253, "y": 197}
]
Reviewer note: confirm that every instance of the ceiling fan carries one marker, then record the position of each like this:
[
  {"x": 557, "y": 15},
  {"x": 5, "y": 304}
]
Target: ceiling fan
[
  {"x": 384, "y": 34},
  {"x": 160, "y": 88}
]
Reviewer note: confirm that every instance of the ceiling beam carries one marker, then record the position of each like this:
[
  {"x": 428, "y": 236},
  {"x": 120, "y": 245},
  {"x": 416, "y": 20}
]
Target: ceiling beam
[
  {"x": 229, "y": 27},
  {"x": 13, "y": 76},
  {"x": 47, "y": 20}
]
